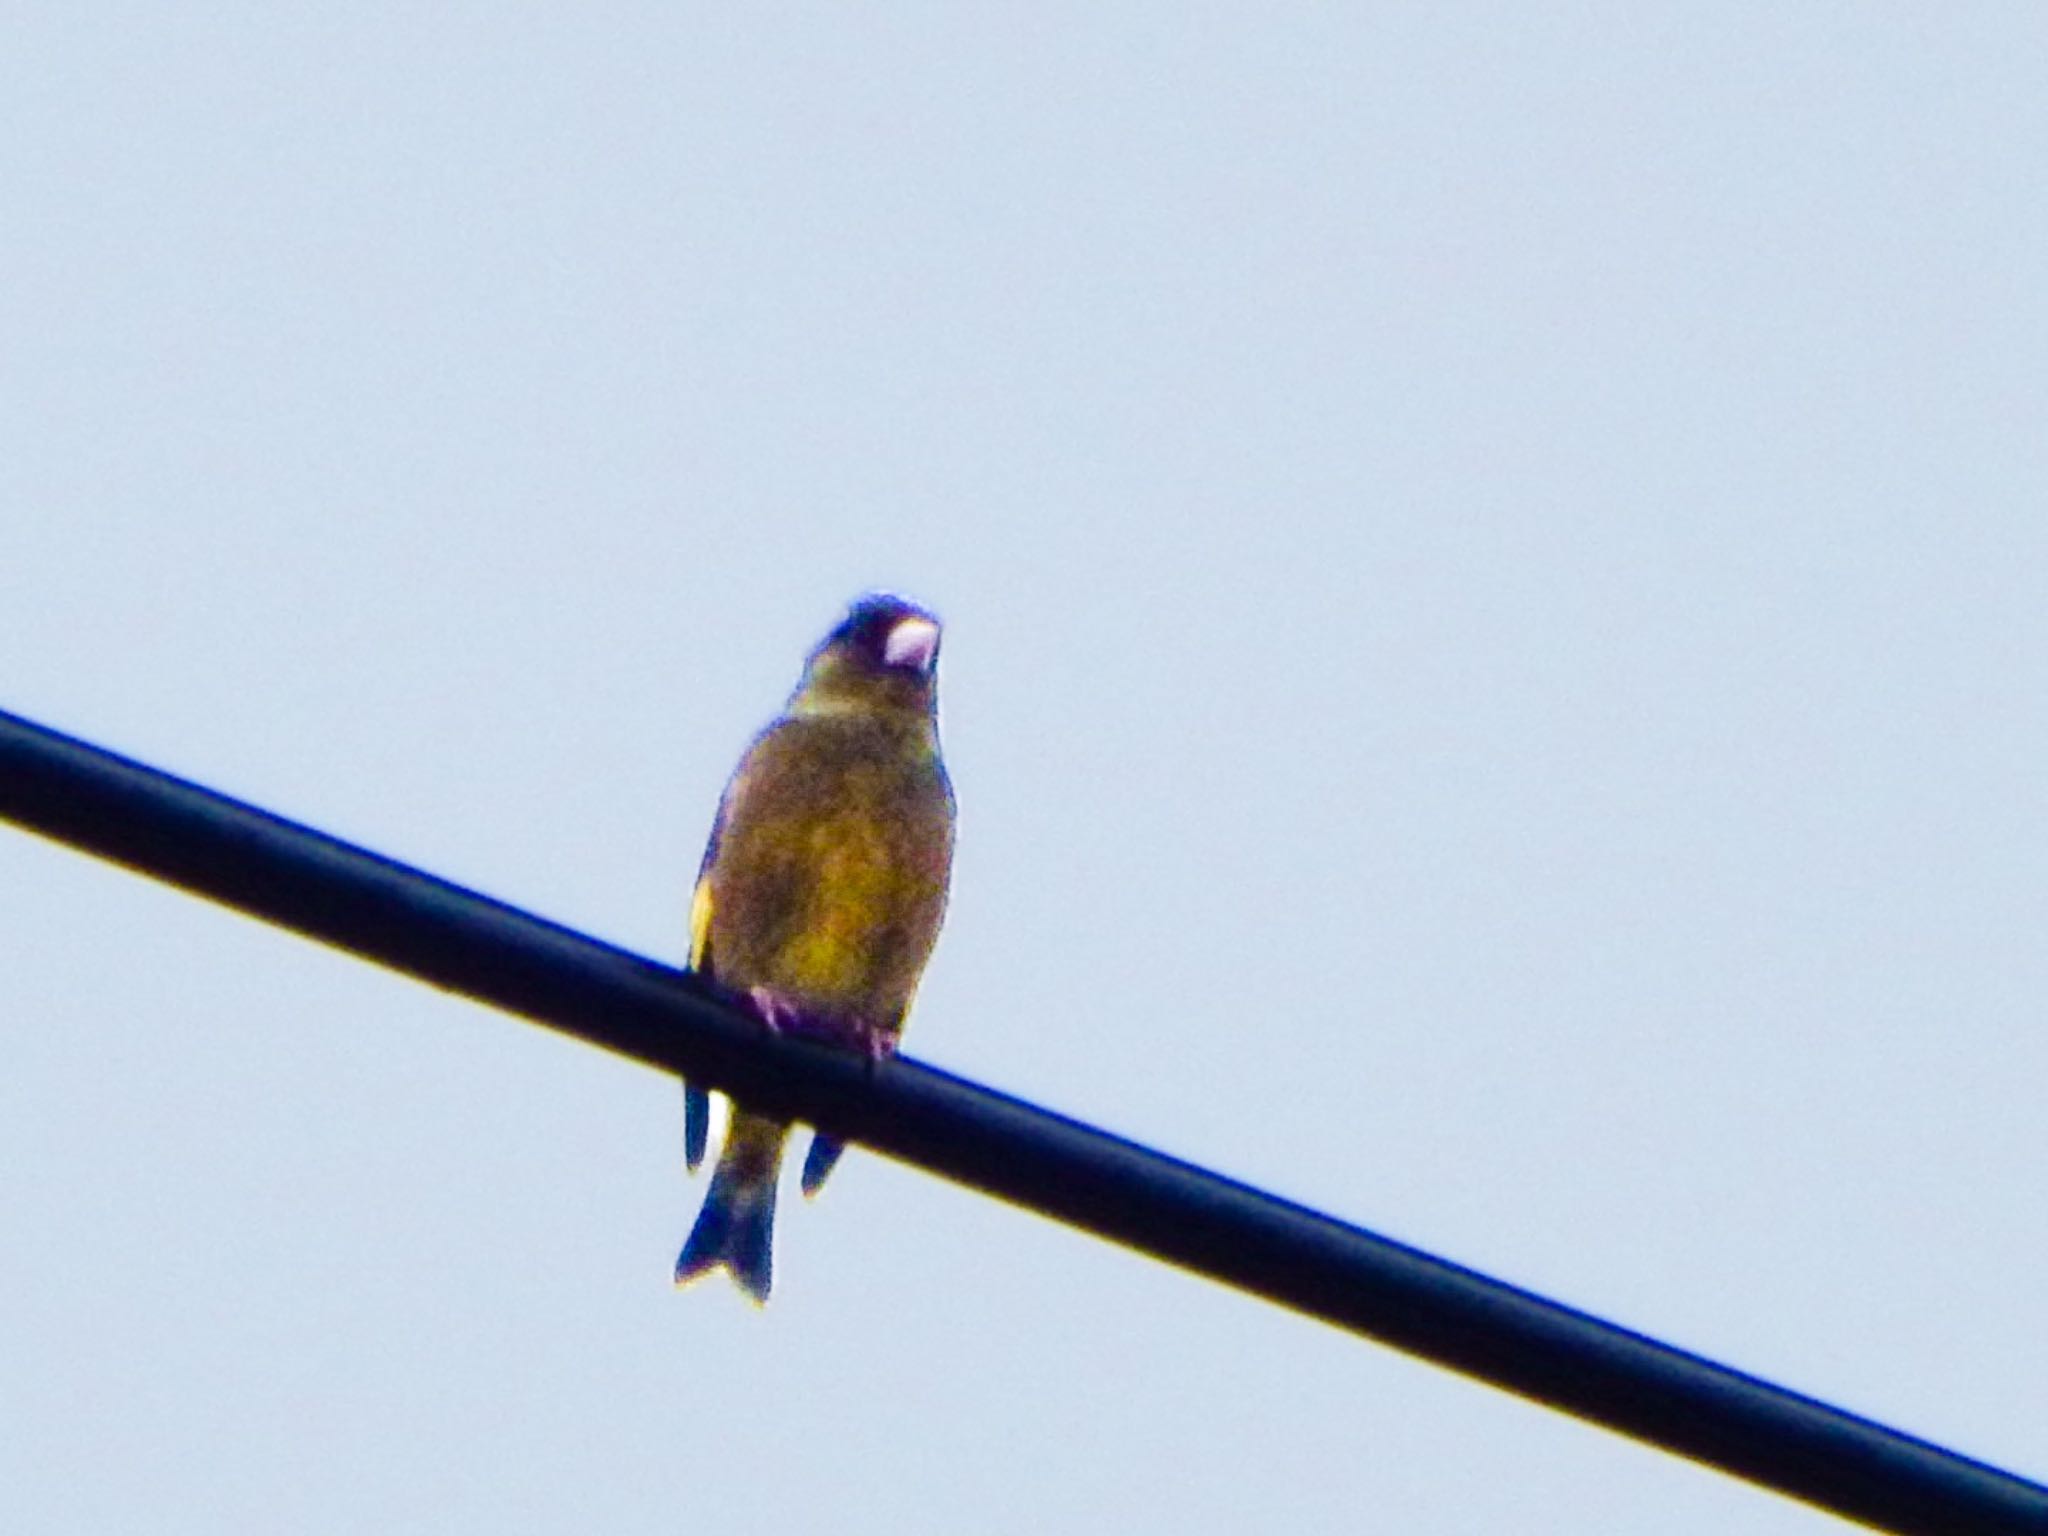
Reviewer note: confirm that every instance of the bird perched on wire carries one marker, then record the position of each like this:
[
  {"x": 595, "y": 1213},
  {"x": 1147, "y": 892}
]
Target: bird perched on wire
[{"x": 820, "y": 895}]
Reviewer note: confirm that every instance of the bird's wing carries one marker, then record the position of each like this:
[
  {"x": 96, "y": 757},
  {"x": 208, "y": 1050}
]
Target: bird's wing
[{"x": 696, "y": 1097}]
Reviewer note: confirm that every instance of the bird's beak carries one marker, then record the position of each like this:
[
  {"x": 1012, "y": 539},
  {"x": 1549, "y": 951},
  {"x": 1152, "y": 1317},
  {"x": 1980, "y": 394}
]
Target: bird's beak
[{"x": 912, "y": 643}]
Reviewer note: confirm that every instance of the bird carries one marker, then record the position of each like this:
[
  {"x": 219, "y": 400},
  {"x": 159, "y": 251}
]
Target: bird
[{"x": 820, "y": 896}]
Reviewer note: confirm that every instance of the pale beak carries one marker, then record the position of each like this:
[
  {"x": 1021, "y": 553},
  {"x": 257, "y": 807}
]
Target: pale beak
[{"x": 912, "y": 643}]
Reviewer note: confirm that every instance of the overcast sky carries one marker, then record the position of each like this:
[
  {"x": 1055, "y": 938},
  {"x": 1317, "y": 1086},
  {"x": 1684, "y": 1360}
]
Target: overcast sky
[{"x": 1497, "y": 598}]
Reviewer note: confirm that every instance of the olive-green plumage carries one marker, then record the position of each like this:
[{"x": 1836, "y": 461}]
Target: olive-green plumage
[{"x": 822, "y": 892}]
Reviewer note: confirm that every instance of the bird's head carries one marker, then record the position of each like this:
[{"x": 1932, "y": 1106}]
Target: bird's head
[{"x": 884, "y": 656}]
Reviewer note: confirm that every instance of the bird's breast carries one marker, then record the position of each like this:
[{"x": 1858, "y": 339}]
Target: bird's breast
[{"x": 831, "y": 887}]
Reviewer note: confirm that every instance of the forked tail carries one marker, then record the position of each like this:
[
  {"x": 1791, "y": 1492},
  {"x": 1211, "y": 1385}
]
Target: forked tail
[{"x": 736, "y": 1228}]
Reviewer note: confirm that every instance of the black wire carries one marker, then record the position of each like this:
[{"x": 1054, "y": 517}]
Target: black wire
[{"x": 467, "y": 943}]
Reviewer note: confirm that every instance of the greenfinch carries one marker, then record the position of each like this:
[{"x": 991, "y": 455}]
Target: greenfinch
[{"x": 820, "y": 896}]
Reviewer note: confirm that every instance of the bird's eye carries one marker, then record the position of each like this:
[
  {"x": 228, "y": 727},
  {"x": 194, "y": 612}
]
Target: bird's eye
[{"x": 912, "y": 643}]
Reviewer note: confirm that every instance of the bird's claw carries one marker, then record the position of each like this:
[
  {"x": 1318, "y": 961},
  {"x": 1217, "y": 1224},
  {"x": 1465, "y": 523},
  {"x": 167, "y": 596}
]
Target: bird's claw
[
  {"x": 778, "y": 1015},
  {"x": 873, "y": 1042}
]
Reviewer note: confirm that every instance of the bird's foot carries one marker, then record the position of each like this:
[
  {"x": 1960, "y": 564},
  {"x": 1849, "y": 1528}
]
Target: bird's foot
[
  {"x": 778, "y": 1015},
  {"x": 871, "y": 1040}
]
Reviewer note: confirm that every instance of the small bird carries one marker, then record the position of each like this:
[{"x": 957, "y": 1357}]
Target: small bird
[{"x": 820, "y": 896}]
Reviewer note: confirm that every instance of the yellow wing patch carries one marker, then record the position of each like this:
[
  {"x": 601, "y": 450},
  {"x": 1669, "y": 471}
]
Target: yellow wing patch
[{"x": 700, "y": 923}]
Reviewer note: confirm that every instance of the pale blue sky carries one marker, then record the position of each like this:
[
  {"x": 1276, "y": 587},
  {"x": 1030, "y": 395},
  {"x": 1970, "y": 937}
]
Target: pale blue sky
[{"x": 1496, "y": 671}]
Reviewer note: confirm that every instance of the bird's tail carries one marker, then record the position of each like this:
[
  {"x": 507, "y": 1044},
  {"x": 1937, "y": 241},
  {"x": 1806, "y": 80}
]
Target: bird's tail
[{"x": 737, "y": 1224}]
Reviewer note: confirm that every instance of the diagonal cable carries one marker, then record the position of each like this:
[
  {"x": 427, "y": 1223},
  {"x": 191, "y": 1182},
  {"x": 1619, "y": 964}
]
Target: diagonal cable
[{"x": 456, "y": 939}]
